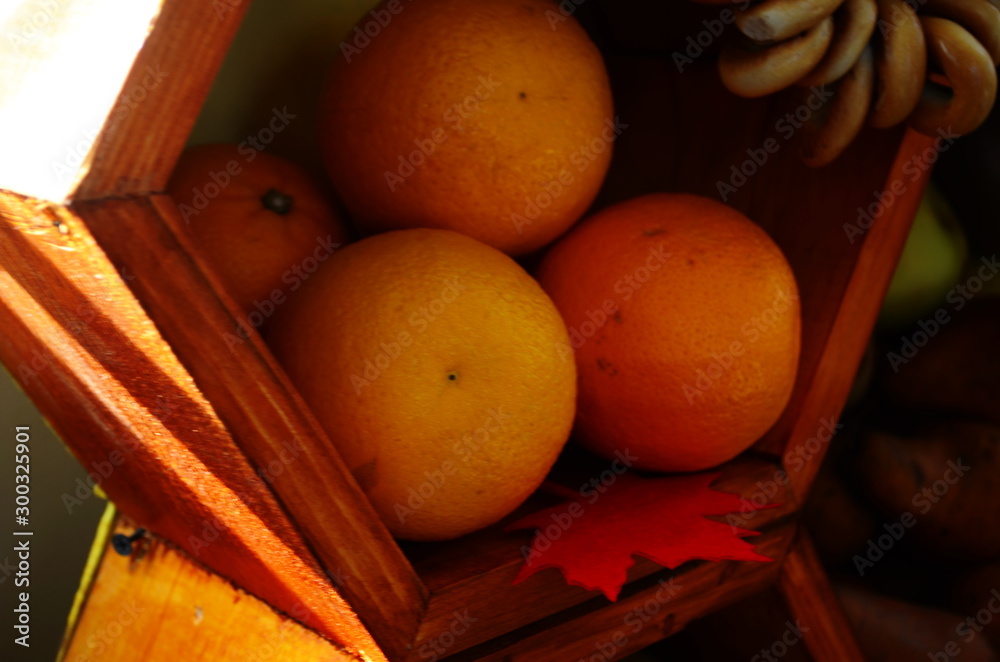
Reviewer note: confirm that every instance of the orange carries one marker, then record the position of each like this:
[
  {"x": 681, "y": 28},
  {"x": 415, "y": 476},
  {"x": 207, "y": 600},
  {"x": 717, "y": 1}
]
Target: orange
[
  {"x": 258, "y": 219},
  {"x": 432, "y": 362},
  {"x": 491, "y": 118},
  {"x": 684, "y": 319}
]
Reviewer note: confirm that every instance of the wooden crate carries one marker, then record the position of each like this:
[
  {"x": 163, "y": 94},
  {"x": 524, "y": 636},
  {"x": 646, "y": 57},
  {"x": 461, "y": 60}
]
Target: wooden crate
[{"x": 118, "y": 332}]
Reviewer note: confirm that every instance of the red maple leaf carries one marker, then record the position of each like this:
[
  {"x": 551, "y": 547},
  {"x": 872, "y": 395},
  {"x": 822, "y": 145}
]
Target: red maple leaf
[{"x": 592, "y": 539}]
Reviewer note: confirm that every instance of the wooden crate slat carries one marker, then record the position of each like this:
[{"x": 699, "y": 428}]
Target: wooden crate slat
[
  {"x": 159, "y": 605},
  {"x": 146, "y": 238},
  {"x": 824, "y": 395},
  {"x": 805, "y": 588},
  {"x": 662, "y": 612},
  {"x": 64, "y": 65},
  {"x": 485, "y": 564},
  {"x": 102, "y": 539},
  {"x": 806, "y": 212},
  {"x": 184, "y": 51},
  {"x": 85, "y": 352}
]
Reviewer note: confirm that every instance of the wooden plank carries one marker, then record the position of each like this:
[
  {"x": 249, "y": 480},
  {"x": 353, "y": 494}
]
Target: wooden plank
[
  {"x": 664, "y": 604},
  {"x": 824, "y": 395},
  {"x": 102, "y": 538},
  {"x": 806, "y": 213},
  {"x": 809, "y": 596},
  {"x": 459, "y": 573},
  {"x": 137, "y": 75},
  {"x": 146, "y": 238},
  {"x": 185, "y": 50},
  {"x": 88, "y": 356},
  {"x": 64, "y": 65},
  {"x": 159, "y": 605}
]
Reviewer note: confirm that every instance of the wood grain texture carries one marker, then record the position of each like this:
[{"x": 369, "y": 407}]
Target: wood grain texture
[
  {"x": 84, "y": 351},
  {"x": 64, "y": 65},
  {"x": 184, "y": 51},
  {"x": 805, "y": 588},
  {"x": 460, "y": 573},
  {"x": 826, "y": 392},
  {"x": 649, "y": 611},
  {"x": 160, "y": 605},
  {"x": 146, "y": 239}
]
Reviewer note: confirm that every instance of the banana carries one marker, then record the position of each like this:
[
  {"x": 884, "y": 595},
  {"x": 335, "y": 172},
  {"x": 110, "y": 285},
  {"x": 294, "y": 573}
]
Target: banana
[
  {"x": 835, "y": 125},
  {"x": 980, "y": 18},
  {"x": 854, "y": 23},
  {"x": 971, "y": 73},
  {"x": 900, "y": 63},
  {"x": 754, "y": 70},
  {"x": 777, "y": 20}
]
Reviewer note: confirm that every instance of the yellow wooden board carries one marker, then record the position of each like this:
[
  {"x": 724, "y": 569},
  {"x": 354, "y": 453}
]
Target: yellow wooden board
[{"x": 159, "y": 604}]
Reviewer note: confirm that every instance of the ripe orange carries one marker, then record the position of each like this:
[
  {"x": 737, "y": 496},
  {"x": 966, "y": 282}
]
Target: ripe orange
[
  {"x": 491, "y": 118},
  {"x": 684, "y": 318},
  {"x": 431, "y": 361},
  {"x": 257, "y": 218}
]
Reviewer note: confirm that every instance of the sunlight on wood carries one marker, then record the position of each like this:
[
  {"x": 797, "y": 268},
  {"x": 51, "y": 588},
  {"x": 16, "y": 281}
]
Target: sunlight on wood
[
  {"x": 64, "y": 67},
  {"x": 160, "y": 604}
]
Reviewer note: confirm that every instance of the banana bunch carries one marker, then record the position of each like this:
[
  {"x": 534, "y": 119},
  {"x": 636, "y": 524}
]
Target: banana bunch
[{"x": 933, "y": 67}]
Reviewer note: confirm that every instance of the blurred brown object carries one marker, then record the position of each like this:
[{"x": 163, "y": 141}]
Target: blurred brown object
[
  {"x": 955, "y": 368},
  {"x": 942, "y": 487},
  {"x": 978, "y": 589},
  {"x": 891, "y": 630}
]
